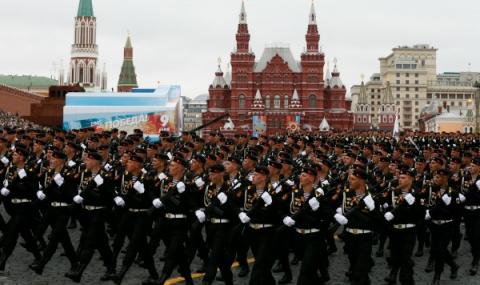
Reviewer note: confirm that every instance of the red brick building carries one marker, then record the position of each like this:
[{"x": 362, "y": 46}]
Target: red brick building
[{"x": 277, "y": 90}]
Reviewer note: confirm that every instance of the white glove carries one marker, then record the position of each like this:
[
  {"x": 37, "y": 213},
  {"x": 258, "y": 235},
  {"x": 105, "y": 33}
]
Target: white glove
[
  {"x": 222, "y": 198},
  {"x": 319, "y": 192},
  {"x": 139, "y": 187},
  {"x": 5, "y": 161},
  {"x": 39, "y": 161},
  {"x": 341, "y": 219},
  {"x": 446, "y": 199},
  {"x": 119, "y": 201},
  {"x": 200, "y": 216},
  {"x": 410, "y": 199},
  {"x": 339, "y": 210},
  {"x": 78, "y": 199},
  {"x": 290, "y": 182},
  {"x": 478, "y": 184},
  {"x": 288, "y": 221},
  {"x": 181, "y": 187},
  {"x": 71, "y": 163},
  {"x": 388, "y": 216},
  {"x": 199, "y": 182},
  {"x": 144, "y": 171},
  {"x": 325, "y": 183},
  {"x": 41, "y": 196},
  {"x": 237, "y": 185},
  {"x": 427, "y": 216},
  {"x": 162, "y": 176},
  {"x": 461, "y": 198},
  {"x": 303, "y": 153},
  {"x": 107, "y": 167},
  {"x": 59, "y": 179},
  {"x": 314, "y": 204},
  {"x": 250, "y": 178},
  {"x": 267, "y": 198},
  {"x": 98, "y": 180},
  {"x": 369, "y": 202},
  {"x": 157, "y": 203},
  {"x": 4, "y": 192},
  {"x": 244, "y": 218},
  {"x": 385, "y": 206},
  {"x": 83, "y": 146},
  {"x": 21, "y": 173}
]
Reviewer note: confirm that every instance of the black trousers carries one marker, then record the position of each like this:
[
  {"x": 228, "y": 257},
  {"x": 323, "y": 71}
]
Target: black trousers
[
  {"x": 137, "y": 226},
  {"x": 314, "y": 250},
  {"x": 19, "y": 223},
  {"x": 57, "y": 218},
  {"x": 221, "y": 255},
  {"x": 159, "y": 232},
  {"x": 359, "y": 250},
  {"x": 240, "y": 244},
  {"x": 402, "y": 243},
  {"x": 176, "y": 254},
  {"x": 283, "y": 239},
  {"x": 195, "y": 241},
  {"x": 262, "y": 248},
  {"x": 94, "y": 237},
  {"x": 472, "y": 229},
  {"x": 441, "y": 238}
]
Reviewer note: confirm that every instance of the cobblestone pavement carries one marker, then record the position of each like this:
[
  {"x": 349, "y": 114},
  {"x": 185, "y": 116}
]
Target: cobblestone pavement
[{"x": 18, "y": 272}]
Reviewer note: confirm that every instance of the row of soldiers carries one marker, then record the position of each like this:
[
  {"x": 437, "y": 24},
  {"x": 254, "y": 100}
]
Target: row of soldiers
[{"x": 221, "y": 197}]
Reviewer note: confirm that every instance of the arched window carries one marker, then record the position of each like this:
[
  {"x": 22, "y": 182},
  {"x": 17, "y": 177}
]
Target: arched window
[
  {"x": 276, "y": 102},
  {"x": 82, "y": 35},
  {"x": 91, "y": 74},
  {"x": 72, "y": 78},
  {"x": 267, "y": 102},
  {"x": 80, "y": 75},
  {"x": 312, "y": 101},
  {"x": 241, "y": 101},
  {"x": 285, "y": 102}
]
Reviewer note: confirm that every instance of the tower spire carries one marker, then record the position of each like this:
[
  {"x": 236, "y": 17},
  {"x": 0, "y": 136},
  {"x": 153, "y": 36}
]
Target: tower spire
[
  {"x": 243, "y": 36},
  {"x": 128, "y": 77},
  {"x": 312, "y": 36},
  {"x": 85, "y": 8},
  {"x": 313, "y": 15},
  {"x": 243, "y": 14}
]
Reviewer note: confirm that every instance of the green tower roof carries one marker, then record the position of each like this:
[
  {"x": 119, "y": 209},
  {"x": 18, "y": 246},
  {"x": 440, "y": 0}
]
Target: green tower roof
[
  {"x": 85, "y": 8},
  {"x": 127, "y": 74}
]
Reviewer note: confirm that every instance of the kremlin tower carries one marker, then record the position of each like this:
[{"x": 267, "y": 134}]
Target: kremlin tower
[{"x": 128, "y": 78}]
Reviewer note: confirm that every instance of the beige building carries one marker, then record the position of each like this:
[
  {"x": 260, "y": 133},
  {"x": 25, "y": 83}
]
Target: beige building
[
  {"x": 412, "y": 74},
  {"x": 451, "y": 122}
]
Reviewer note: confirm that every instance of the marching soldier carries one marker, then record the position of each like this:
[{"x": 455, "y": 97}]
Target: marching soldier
[{"x": 471, "y": 190}]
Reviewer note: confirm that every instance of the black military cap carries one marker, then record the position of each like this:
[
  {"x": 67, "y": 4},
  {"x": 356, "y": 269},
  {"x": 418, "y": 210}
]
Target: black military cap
[
  {"x": 140, "y": 150},
  {"x": 161, "y": 156},
  {"x": 59, "y": 154},
  {"x": 359, "y": 173},
  {"x": 167, "y": 139},
  {"x": 350, "y": 154},
  {"x": 229, "y": 142},
  {"x": 362, "y": 159},
  {"x": 408, "y": 155},
  {"x": 225, "y": 148},
  {"x": 253, "y": 138},
  {"x": 198, "y": 140},
  {"x": 396, "y": 161},
  {"x": 251, "y": 156},
  {"x": 456, "y": 160},
  {"x": 328, "y": 163},
  {"x": 73, "y": 145},
  {"x": 93, "y": 139},
  {"x": 58, "y": 138},
  {"x": 3, "y": 140},
  {"x": 26, "y": 137},
  {"x": 467, "y": 154},
  {"x": 180, "y": 160},
  {"x": 152, "y": 146},
  {"x": 22, "y": 151},
  {"x": 95, "y": 156},
  {"x": 190, "y": 145},
  {"x": 377, "y": 152},
  {"x": 438, "y": 159},
  {"x": 262, "y": 170},
  {"x": 217, "y": 168},
  {"x": 70, "y": 136},
  {"x": 136, "y": 158},
  {"x": 287, "y": 161},
  {"x": 40, "y": 142},
  {"x": 200, "y": 158},
  {"x": 420, "y": 159},
  {"x": 275, "y": 164},
  {"x": 476, "y": 161},
  {"x": 443, "y": 172},
  {"x": 104, "y": 147},
  {"x": 408, "y": 172},
  {"x": 11, "y": 132},
  {"x": 310, "y": 170},
  {"x": 235, "y": 159},
  {"x": 211, "y": 156}
]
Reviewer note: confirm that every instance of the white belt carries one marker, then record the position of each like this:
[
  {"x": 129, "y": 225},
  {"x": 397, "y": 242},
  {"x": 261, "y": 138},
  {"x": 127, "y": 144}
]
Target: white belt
[
  {"x": 307, "y": 231},
  {"x": 59, "y": 204},
  {"x": 20, "y": 201},
  {"x": 93, "y": 208},
  {"x": 219, "y": 221},
  {"x": 441, "y": 222},
  {"x": 357, "y": 231},
  {"x": 175, "y": 216},
  {"x": 403, "y": 226},
  {"x": 472, "y": 208},
  {"x": 137, "y": 210},
  {"x": 260, "y": 226}
]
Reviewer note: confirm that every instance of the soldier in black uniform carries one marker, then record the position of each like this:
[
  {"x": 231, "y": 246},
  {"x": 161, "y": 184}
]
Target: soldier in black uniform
[
  {"x": 442, "y": 213},
  {"x": 219, "y": 213},
  {"x": 402, "y": 214},
  {"x": 175, "y": 202},
  {"x": 57, "y": 191},
  {"x": 358, "y": 213},
  {"x": 260, "y": 217},
  {"x": 96, "y": 196},
  {"x": 471, "y": 190},
  {"x": 18, "y": 193},
  {"x": 136, "y": 195},
  {"x": 307, "y": 212}
]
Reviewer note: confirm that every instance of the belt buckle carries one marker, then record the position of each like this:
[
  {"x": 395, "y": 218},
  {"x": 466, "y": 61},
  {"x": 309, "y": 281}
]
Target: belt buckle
[
  {"x": 355, "y": 231},
  {"x": 302, "y": 231}
]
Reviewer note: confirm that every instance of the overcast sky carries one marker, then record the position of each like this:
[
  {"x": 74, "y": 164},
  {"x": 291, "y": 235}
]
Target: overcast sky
[{"x": 179, "y": 41}]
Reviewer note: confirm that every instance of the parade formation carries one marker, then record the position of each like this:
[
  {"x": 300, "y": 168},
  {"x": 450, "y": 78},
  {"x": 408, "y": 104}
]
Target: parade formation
[{"x": 281, "y": 200}]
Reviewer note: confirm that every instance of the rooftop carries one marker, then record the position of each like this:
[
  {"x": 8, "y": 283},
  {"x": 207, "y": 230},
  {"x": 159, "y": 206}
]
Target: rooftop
[
  {"x": 27, "y": 81},
  {"x": 85, "y": 8}
]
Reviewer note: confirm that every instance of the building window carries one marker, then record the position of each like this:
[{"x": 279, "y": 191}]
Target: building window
[
  {"x": 91, "y": 74},
  {"x": 398, "y": 88},
  {"x": 398, "y": 81},
  {"x": 373, "y": 109},
  {"x": 398, "y": 96},
  {"x": 276, "y": 102},
  {"x": 407, "y": 96},
  {"x": 407, "y": 74},
  {"x": 416, "y": 74},
  {"x": 416, "y": 96},
  {"x": 241, "y": 101},
  {"x": 80, "y": 77},
  {"x": 416, "y": 82},
  {"x": 407, "y": 81},
  {"x": 267, "y": 102},
  {"x": 398, "y": 74},
  {"x": 285, "y": 102},
  {"x": 416, "y": 88},
  {"x": 416, "y": 103},
  {"x": 407, "y": 89},
  {"x": 312, "y": 101}
]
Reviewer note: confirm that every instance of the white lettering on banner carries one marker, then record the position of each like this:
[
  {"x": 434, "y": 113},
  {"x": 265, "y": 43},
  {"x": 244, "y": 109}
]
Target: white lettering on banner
[{"x": 132, "y": 121}]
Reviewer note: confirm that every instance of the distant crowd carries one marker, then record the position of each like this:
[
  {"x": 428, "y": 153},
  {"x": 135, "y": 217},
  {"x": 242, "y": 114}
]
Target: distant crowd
[{"x": 14, "y": 120}]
